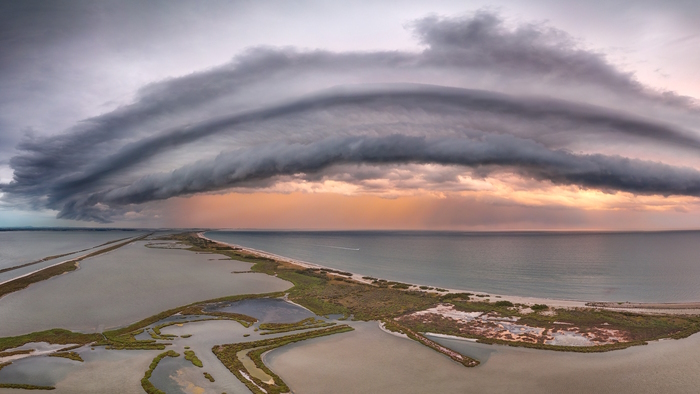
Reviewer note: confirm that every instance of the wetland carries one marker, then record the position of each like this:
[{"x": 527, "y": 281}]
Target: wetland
[{"x": 202, "y": 316}]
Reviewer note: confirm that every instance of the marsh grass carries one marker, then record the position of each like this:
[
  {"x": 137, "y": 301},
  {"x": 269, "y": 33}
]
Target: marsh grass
[
  {"x": 69, "y": 355},
  {"x": 191, "y": 357}
]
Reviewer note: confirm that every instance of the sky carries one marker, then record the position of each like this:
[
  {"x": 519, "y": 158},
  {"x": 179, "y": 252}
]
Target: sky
[{"x": 444, "y": 115}]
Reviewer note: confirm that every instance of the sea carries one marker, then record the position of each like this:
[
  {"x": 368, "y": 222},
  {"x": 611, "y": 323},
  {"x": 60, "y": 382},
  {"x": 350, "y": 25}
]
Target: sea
[{"x": 586, "y": 266}]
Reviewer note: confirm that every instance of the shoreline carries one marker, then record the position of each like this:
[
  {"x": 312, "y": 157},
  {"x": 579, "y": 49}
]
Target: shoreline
[{"x": 638, "y": 307}]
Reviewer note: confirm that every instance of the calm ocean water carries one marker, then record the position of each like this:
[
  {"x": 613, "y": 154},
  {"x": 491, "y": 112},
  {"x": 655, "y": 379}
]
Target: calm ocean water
[{"x": 642, "y": 267}]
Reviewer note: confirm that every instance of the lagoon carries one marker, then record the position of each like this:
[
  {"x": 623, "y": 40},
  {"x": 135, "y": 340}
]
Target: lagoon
[{"x": 126, "y": 285}]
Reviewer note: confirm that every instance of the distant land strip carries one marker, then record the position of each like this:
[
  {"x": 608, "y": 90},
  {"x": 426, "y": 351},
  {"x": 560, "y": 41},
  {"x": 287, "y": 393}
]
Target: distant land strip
[
  {"x": 644, "y": 305},
  {"x": 55, "y": 270},
  {"x": 57, "y": 256}
]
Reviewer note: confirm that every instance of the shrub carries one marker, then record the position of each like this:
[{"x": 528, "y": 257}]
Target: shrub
[{"x": 504, "y": 303}]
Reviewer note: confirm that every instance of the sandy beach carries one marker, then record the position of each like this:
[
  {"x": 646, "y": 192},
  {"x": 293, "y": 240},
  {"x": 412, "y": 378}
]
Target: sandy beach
[{"x": 651, "y": 308}]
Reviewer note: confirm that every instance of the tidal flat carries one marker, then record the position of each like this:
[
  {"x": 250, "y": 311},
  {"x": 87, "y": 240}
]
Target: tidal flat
[{"x": 125, "y": 285}]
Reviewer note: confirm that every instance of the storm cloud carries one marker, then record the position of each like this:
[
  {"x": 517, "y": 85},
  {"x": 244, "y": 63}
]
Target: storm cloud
[
  {"x": 458, "y": 101},
  {"x": 489, "y": 153}
]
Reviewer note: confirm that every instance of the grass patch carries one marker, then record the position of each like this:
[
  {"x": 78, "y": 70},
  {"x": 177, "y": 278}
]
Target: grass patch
[
  {"x": 25, "y": 386},
  {"x": 16, "y": 352},
  {"x": 306, "y": 327},
  {"x": 209, "y": 377},
  {"x": 308, "y": 323},
  {"x": 191, "y": 357},
  {"x": 55, "y": 336},
  {"x": 69, "y": 355}
]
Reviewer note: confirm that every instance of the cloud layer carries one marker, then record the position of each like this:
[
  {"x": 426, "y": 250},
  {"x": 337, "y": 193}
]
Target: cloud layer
[{"x": 483, "y": 96}]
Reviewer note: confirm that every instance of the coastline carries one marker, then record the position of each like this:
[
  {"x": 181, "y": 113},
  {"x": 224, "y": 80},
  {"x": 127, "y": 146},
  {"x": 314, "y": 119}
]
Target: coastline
[{"x": 638, "y": 307}]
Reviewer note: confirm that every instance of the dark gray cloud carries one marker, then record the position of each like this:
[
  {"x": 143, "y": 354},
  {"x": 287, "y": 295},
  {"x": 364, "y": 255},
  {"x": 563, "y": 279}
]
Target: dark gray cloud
[
  {"x": 489, "y": 153},
  {"x": 37, "y": 178},
  {"x": 480, "y": 43},
  {"x": 98, "y": 167}
]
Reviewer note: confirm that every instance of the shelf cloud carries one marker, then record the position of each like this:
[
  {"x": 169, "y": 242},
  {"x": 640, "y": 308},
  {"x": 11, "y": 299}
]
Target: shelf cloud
[{"x": 481, "y": 95}]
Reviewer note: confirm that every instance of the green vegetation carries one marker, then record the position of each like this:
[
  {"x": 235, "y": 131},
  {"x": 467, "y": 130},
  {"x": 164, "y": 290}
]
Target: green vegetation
[
  {"x": 456, "y": 296},
  {"x": 539, "y": 307},
  {"x": 198, "y": 309},
  {"x": 191, "y": 357},
  {"x": 185, "y": 336},
  {"x": 309, "y": 322},
  {"x": 314, "y": 289},
  {"x": 65, "y": 349},
  {"x": 145, "y": 382},
  {"x": 15, "y": 352},
  {"x": 228, "y": 356},
  {"x": 69, "y": 355},
  {"x": 25, "y": 386},
  {"x": 306, "y": 327},
  {"x": 504, "y": 303},
  {"x": 54, "y": 336},
  {"x": 128, "y": 341},
  {"x": 209, "y": 377}
]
